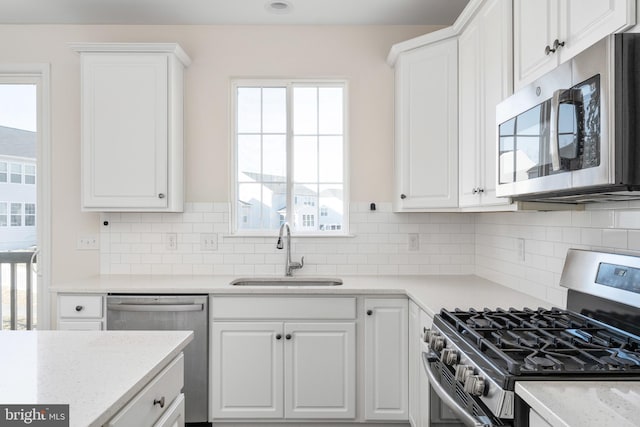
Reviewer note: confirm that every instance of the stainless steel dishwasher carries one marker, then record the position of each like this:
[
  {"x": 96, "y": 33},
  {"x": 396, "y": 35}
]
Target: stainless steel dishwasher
[{"x": 169, "y": 313}]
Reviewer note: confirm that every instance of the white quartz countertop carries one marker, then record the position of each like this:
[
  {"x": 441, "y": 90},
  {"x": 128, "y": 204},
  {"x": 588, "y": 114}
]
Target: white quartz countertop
[
  {"x": 95, "y": 372},
  {"x": 582, "y": 403},
  {"x": 431, "y": 293}
]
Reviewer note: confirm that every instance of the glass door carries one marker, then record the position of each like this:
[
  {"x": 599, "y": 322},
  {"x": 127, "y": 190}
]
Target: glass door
[{"x": 18, "y": 202}]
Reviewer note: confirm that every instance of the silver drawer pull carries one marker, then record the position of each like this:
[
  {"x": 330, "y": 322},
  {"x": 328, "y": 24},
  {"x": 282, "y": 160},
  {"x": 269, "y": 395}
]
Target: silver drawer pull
[
  {"x": 79, "y": 307},
  {"x": 159, "y": 402}
]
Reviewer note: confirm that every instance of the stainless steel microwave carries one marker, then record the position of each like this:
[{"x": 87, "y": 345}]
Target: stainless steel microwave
[{"x": 572, "y": 136}]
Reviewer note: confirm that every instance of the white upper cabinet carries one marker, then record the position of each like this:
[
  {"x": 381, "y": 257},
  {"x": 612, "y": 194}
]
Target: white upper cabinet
[
  {"x": 549, "y": 32},
  {"x": 132, "y": 126},
  {"x": 426, "y": 141},
  {"x": 485, "y": 79}
]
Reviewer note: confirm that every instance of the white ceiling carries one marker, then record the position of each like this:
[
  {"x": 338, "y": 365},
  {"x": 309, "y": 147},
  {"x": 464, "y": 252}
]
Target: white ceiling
[{"x": 303, "y": 12}]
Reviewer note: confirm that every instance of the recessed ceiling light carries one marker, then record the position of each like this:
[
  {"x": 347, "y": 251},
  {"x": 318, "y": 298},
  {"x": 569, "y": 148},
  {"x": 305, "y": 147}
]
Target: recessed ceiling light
[{"x": 279, "y": 7}]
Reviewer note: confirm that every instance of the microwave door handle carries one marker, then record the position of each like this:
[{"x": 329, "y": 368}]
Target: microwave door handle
[
  {"x": 468, "y": 419},
  {"x": 554, "y": 139}
]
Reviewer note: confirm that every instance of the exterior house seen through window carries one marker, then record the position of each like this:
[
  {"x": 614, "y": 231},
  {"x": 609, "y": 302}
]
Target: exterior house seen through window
[{"x": 290, "y": 157}]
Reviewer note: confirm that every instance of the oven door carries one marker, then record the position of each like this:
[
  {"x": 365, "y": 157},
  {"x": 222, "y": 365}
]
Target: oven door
[{"x": 469, "y": 411}]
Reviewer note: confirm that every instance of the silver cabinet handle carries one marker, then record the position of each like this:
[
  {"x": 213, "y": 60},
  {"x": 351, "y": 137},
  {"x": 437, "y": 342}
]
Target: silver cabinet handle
[
  {"x": 161, "y": 196},
  {"x": 79, "y": 308},
  {"x": 468, "y": 419},
  {"x": 155, "y": 307},
  {"x": 159, "y": 402}
]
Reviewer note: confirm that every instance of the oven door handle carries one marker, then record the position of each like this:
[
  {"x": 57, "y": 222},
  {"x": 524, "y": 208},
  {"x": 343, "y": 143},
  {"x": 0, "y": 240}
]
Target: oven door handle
[{"x": 468, "y": 419}]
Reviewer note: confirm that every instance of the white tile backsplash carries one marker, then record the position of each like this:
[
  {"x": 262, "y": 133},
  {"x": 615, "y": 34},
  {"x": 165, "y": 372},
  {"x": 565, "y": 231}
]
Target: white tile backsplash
[
  {"x": 135, "y": 244},
  {"x": 548, "y": 236}
]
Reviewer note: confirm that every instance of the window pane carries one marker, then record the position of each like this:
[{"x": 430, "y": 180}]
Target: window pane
[
  {"x": 16, "y": 173},
  {"x": 3, "y": 171},
  {"x": 29, "y": 209},
  {"x": 305, "y": 162},
  {"x": 249, "y": 110},
  {"x": 274, "y": 110},
  {"x": 331, "y": 203},
  {"x": 260, "y": 205},
  {"x": 29, "y": 179},
  {"x": 330, "y": 148},
  {"x": 249, "y": 158},
  {"x": 16, "y": 214},
  {"x": 305, "y": 111},
  {"x": 305, "y": 202},
  {"x": 330, "y": 117},
  {"x": 3, "y": 214},
  {"x": 275, "y": 157}
]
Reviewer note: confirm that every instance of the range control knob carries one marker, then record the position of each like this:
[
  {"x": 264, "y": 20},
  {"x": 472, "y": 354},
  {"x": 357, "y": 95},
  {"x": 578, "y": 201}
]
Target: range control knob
[
  {"x": 426, "y": 335},
  {"x": 436, "y": 341},
  {"x": 450, "y": 356},
  {"x": 474, "y": 385},
  {"x": 463, "y": 372}
]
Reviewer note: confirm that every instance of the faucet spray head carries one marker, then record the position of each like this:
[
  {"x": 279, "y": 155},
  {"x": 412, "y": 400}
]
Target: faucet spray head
[{"x": 279, "y": 245}]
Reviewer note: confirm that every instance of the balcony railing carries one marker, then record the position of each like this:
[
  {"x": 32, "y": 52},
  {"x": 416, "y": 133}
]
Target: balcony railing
[{"x": 18, "y": 290}]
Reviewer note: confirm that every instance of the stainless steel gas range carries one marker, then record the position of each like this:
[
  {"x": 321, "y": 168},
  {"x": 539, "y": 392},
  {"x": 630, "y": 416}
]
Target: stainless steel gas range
[{"x": 474, "y": 358}]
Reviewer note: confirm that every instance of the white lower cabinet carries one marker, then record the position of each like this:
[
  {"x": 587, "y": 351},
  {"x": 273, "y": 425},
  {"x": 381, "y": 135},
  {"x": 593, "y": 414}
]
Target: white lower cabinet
[
  {"x": 81, "y": 312},
  {"x": 414, "y": 364},
  {"x": 159, "y": 404},
  {"x": 247, "y": 364},
  {"x": 302, "y": 369},
  {"x": 536, "y": 420},
  {"x": 386, "y": 360}
]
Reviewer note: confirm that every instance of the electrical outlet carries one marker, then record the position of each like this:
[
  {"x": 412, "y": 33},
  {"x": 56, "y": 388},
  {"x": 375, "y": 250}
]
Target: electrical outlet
[
  {"x": 414, "y": 242},
  {"x": 87, "y": 243},
  {"x": 208, "y": 241},
  {"x": 520, "y": 249},
  {"x": 171, "y": 241}
]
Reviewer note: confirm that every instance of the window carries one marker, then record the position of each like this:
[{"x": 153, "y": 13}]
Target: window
[
  {"x": 3, "y": 171},
  {"x": 29, "y": 214},
  {"x": 16, "y": 214},
  {"x": 3, "y": 214},
  {"x": 289, "y": 156},
  {"x": 16, "y": 173},
  {"x": 324, "y": 211},
  {"x": 29, "y": 174}
]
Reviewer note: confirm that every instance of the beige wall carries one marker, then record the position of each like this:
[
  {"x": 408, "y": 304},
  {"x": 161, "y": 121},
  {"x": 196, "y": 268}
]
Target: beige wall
[{"x": 218, "y": 53}]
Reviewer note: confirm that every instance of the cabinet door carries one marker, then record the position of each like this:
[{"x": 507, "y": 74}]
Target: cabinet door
[
  {"x": 320, "y": 370},
  {"x": 247, "y": 370},
  {"x": 414, "y": 364},
  {"x": 471, "y": 138},
  {"x": 124, "y": 130},
  {"x": 535, "y": 26},
  {"x": 174, "y": 415},
  {"x": 496, "y": 85},
  {"x": 386, "y": 359},
  {"x": 427, "y": 127},
  {"x": 585, "y": 22}
]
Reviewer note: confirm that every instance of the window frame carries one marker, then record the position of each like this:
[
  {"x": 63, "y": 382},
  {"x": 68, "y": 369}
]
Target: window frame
[{"x": 289, "y": 84}]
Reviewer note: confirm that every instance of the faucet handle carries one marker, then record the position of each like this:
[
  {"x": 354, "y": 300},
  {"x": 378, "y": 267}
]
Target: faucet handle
[{"x": 297, "y": 265}]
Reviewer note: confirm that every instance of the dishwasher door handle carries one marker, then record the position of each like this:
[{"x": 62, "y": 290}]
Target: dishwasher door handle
[{"x": 155, "y": 307}]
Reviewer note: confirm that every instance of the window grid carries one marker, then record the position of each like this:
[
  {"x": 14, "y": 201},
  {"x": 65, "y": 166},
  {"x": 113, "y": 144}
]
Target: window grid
[{"x": 289, "y": 213}]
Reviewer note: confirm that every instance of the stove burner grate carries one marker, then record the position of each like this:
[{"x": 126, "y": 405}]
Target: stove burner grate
[{"x": 544, "y": 341}]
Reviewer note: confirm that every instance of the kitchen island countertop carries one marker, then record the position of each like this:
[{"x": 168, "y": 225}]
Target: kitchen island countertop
[{"x": 95, "y": 372}]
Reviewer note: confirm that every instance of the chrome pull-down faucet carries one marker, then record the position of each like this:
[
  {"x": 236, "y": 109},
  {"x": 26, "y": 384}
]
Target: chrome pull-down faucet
[{"x": 289, "y": 265}]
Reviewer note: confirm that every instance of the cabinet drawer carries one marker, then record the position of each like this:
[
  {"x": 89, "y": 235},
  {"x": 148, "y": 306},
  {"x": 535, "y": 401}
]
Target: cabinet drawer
[
  {"x": 144, "y": 409},
  {"x": 80, "y": 306},
  {"x": 264, "y": 307},
  {"x": 84, "y": 325}
]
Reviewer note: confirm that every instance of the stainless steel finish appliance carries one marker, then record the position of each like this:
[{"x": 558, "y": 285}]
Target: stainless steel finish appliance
[
  {"x": 571, "y": 136},
  {"x": 166, "y": 313},
  {"x": 474, "y": 358}
]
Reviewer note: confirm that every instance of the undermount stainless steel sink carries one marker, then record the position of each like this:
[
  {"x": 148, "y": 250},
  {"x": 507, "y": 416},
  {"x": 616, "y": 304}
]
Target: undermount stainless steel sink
[{"x": 287, "y": 281}]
